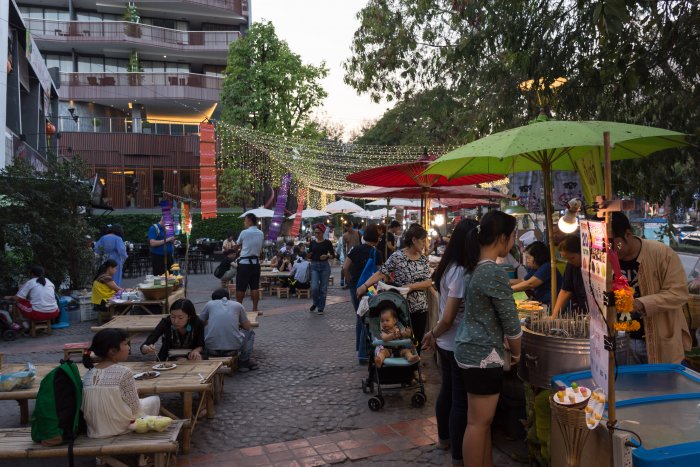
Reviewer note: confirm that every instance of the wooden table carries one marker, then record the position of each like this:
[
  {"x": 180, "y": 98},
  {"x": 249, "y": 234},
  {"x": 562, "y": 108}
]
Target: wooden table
[
  {"x": 124, "y": 308},
  {"x": 134, "y": 324},
  {"x": 275, "y": 274},
  {"x": 187, "y": 379}
]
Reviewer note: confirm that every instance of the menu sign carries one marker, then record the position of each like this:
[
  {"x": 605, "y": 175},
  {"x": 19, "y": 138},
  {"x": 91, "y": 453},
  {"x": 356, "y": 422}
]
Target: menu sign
[{"x": 594, "y": 267}]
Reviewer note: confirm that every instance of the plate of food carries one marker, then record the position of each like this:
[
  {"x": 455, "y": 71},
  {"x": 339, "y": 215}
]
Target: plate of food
[
  {"x": 595, "y": 408},
  {"x": 146, "y": 375},
  {"x": 572, "y": 396},
  {"x": 164, "y": 366}
]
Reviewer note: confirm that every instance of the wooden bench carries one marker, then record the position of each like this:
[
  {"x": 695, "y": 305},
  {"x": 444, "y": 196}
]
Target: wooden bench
[
  {"x": 44, "y": 325},
  {"x": 282, "y": 292},
  {"x": 303, "y": 293},
  {"x": 75, "y": 348},
  {"x": 228, "y": 367},
  {"x": 17, "y": 444},
  {"x": 331, "y": 280}
]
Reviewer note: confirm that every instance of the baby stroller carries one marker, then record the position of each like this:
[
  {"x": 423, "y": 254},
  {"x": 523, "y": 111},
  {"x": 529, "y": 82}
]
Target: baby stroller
[{"x": 395, "y": 374}]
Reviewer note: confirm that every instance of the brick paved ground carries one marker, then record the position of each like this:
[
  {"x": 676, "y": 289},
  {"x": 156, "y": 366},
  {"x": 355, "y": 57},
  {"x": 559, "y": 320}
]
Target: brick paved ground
[{"x": 303, "y": 406}]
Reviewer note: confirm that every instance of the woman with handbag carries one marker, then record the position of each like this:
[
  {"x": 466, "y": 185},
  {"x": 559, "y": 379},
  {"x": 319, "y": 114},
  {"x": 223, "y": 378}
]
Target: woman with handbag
[
  {"x": 360, "y": 264},
  {"x": 451, "y": 403}
]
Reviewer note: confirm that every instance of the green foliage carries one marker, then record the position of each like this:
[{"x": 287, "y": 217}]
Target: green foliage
[
  {"x": 236, "y": 187},
  {"x": 41, "y": 221},
  {"x": 267, "y": 87},
  {"x": 632, "y": 61},
  {"x": 134, "y": 65},
  {"x": 131, "y": 13},
  {"x": 135, "y": 226}
]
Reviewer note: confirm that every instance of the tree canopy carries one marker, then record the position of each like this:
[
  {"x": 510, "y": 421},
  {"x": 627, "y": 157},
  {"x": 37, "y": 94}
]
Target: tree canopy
[
  {"x": 267, "y": 87},
  {"x": 634, "y": 61}
]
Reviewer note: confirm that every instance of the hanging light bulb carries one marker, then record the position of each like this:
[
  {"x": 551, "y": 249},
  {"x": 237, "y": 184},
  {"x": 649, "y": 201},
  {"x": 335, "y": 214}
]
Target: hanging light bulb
[{"x": 568, "y": 223}]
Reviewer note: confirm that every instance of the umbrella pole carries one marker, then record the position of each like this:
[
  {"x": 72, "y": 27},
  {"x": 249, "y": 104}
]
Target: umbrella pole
[{"x": 550, "y": 228}]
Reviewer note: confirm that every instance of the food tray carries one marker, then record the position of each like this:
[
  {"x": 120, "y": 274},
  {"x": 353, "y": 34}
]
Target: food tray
[
  {"x": 595, "y": 409},
  {"x": 580, "y": 398},
  {"x": 157, "y": 293}
]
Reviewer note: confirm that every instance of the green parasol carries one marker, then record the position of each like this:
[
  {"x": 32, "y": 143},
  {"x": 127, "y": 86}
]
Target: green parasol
[{"x": 553, "y": 145}]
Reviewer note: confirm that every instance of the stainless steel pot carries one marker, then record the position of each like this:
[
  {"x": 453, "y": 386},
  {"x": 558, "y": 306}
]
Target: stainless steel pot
[{"x": 544, "y": 356}]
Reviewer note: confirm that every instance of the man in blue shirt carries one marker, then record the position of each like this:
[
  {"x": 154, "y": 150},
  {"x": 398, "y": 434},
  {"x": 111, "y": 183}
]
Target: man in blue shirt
[
  {"x": 250, "y": 242},
  {"x": 161, "y": 248}
]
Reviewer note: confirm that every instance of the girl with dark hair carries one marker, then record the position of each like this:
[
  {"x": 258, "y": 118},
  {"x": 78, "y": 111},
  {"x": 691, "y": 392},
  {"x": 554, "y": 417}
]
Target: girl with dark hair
[
  {"x": 36, "y": 299},
  {"x": 111, "y": 246},
  {"x": 103, "y": 286},
  {"x": 410, "y": 269},
  {"x": 539, "y": 274},
  {"x": 110, "y": 399},
  {"x": 489, "y": 317},
  {"x": 182, "y": 330},
  {"x": 451, "y": 403}
]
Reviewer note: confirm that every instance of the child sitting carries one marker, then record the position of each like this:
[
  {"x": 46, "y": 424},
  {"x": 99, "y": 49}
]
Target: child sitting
[
  {"x": 391, "y": 330},
  {"x": 110, "y": 399}
]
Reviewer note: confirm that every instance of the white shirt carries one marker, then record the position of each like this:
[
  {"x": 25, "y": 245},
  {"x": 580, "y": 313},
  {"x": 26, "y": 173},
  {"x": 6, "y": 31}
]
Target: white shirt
[
  {"x": 42, "y": 297},
  {"x": 451, "y": 285},
  {"x": 300, "y": 269},
  {"x": 252, "y": 241}
]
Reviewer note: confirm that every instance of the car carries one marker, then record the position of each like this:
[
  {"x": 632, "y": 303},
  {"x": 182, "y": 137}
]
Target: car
[
  {"x": 683, "y": 230},
  {"x": 691, "y": 238}
]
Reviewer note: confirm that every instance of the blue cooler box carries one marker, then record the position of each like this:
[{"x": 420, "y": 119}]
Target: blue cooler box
[{"x": 660, "y": 403}]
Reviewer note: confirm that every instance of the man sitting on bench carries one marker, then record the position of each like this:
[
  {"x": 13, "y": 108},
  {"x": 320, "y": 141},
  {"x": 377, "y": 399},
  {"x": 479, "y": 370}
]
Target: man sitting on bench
[{"x": 228, "y": 331}]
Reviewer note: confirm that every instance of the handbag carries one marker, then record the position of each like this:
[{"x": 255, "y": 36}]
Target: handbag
[{"x": 370, "y": 267}]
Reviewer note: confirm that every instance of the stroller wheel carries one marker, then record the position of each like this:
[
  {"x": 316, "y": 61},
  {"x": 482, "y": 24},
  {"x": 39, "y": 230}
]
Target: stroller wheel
[
  {"x": 375, "y": 403},
  {"x": 418, "y": 400},
  {"x": 9, "y": 335}
]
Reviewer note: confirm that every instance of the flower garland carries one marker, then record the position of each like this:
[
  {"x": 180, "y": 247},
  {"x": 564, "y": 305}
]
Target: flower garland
[{"x": 624, "y": 298}]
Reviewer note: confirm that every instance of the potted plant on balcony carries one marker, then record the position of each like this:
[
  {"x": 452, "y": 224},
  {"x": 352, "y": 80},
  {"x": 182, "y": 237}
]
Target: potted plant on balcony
[
  {"x": 134, "y": 68},
  {"x": 131, "y": 16},
  {"x": 96, "y": 123}
]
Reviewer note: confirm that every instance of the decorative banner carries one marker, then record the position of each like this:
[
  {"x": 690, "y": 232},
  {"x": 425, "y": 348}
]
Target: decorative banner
[
  {"x": 301, "y": 197},
  {"x": 167, "y": 218},
  {"x": 207, "y": 170},
  {"x": 186, "y": 221},
  {"x": 594, "y": 267},
  {"x": 529, "y": 187},
  {"x": 278, "y": 216},
  {"x": 176, "y": 219}
]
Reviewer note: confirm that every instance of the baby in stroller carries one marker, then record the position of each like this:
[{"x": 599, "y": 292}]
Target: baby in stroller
[{"x": 392, "y": 330}]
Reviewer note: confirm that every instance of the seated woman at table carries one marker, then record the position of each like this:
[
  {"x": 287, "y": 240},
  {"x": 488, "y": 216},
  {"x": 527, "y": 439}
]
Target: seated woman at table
[
  {"x": 103, "y": 285},
  {"x": 36, "y": 299},
  {"x": 182, "y": 330},
  {"x": 537, "y": 281},
  {"x": 110, "y": 399}
]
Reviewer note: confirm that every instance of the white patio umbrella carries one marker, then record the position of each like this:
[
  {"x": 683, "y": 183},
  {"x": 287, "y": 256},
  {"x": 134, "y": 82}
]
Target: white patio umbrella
[
  {"x": 342, "y": 206},
  {"x": 259, "y": 212},
  {"x": 381, "y": 213},
  {"x": 397, "y": 202},
  {"x": 310, "y": 213},
  {"x": 362, "y": 214}
]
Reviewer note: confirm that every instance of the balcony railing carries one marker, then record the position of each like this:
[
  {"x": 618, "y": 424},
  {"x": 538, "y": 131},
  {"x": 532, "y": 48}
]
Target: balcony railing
[
  {"x": 86, "y": 124},
  {"x": 120, "y": 86},
  {"x": 133, "y": 33},
  {"x": 238, "y": 7}
]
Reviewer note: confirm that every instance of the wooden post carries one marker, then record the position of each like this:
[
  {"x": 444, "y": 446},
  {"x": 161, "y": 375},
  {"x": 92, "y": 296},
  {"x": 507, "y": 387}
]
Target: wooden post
[
  {"x": 611, "y": 315},
  {"x": 550, "y": 226}
]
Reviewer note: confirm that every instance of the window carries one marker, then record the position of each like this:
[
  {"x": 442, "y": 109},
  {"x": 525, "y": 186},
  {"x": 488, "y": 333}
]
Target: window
[{"x": 63, "y": 62}]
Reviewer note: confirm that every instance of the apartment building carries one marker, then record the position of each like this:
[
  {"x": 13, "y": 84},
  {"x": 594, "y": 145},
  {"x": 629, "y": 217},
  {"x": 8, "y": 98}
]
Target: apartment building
[
  {"x": 135, "y": 80},
  {"x": 28, "y": 95}
]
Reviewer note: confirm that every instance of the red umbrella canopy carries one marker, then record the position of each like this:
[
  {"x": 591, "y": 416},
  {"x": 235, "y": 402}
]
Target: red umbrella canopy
[
  {"x": 410, "y": 174},
  {"x": 417, "y": 192}
]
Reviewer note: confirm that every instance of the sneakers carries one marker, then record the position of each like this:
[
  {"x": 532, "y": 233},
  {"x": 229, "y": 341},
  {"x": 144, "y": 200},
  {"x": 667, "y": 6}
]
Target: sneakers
[
  {"x": 248, "y": 364},
  {"x": 312, "y": 308},
  {"x": 319, "y": 312}
]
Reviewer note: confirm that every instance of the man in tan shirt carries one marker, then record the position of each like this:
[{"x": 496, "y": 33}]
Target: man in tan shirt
[{"x": 656, "y": 274}]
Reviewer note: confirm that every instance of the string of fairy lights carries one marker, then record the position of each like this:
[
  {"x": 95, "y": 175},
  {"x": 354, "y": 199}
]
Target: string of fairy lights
[{"x": 321, "y": 166}]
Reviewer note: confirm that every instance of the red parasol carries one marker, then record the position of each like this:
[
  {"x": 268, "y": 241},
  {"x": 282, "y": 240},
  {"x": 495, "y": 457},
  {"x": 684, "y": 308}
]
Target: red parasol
[
  {"x": 410, "y": 174},
  {"x": 445, "y": 192}
]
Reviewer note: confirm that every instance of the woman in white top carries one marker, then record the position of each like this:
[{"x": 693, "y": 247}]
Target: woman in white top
[
  {"x": 110, "y": 400},
  {"x": 36, "y": 299},
  {"x": 451, "y": 403}
]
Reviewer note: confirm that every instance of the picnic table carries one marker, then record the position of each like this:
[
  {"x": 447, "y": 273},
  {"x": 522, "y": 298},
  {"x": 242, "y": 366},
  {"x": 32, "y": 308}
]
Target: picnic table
[
  {"x": 134, "y": 324},
  {"x": 116, "y": 308},
  {"x": 188, "y": 378}
]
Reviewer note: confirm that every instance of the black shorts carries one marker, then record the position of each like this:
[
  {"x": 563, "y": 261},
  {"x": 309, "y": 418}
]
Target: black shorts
[
  {"x": 248, "y": 275},
  {"x": 483, "y": 381}
]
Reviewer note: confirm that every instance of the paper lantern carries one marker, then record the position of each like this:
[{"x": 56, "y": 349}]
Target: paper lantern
[{"x": 50, "y": 128}]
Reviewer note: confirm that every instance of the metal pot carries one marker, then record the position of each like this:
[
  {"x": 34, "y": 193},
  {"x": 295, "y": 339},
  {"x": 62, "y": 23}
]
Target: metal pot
[{"x": 544, "y": 356}]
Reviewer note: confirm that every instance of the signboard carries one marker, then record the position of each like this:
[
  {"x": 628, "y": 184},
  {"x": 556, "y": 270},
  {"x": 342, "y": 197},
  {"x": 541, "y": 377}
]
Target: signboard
[
  {"x": 301, "y": 197},
  {"x": 278, "y": 216},
  {"x": 594, "y": 267}
]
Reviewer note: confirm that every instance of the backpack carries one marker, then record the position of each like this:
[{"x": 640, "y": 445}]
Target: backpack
[
  {"x": 221, "y": 269},
  {"x": 369, "y": 269},
  {"x": 57, "y": 418}
]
